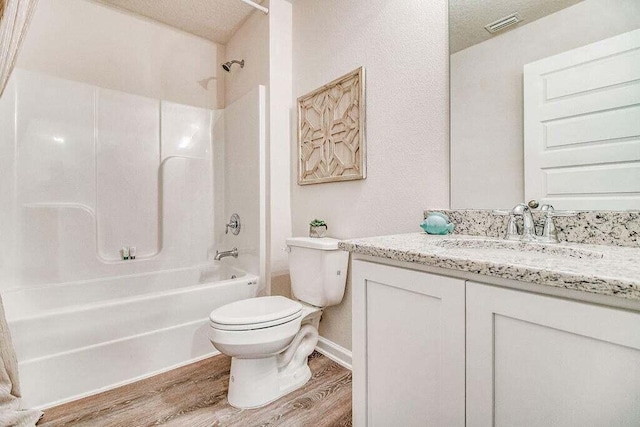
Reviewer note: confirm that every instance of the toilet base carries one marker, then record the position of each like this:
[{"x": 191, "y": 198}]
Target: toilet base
[{"x": 257, "y": 382}]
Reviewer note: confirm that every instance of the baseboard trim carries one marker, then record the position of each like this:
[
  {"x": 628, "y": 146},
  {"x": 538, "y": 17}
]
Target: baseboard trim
[{"x": 335, "y": 352}]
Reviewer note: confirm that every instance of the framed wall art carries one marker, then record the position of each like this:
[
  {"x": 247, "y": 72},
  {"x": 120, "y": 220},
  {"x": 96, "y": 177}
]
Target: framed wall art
[{"x": 331, "y": 131}]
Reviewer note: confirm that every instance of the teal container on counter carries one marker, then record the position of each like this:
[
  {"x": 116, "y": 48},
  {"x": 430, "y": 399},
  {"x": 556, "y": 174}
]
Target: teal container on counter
[{"x": 437, "y": 223}]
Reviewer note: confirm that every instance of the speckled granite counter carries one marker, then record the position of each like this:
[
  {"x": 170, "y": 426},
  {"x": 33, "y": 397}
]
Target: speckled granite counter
[
  {"x": 615, "y": 228},
  {"x": 598, "y": 269}
]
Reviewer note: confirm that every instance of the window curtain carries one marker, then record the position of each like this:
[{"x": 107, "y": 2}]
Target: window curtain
[{"x": 14, "y": 21}]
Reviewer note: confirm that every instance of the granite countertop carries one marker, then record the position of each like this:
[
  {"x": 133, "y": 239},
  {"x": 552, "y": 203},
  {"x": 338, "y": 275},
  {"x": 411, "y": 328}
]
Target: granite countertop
[{"x": 598, "y": 269}]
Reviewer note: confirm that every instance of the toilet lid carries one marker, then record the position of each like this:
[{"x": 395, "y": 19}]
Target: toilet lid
[{"x": 255, "y": 313}]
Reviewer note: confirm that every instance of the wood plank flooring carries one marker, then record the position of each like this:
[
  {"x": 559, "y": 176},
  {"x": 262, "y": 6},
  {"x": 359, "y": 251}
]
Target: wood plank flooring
[{"x": 196, "y": 396}]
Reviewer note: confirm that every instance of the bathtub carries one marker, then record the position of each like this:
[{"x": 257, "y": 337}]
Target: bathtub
[{"x": 80, "y": 338}]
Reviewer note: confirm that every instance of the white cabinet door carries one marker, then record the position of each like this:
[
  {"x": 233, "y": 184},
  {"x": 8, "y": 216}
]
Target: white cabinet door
[
  {"x": 582, "y": 126},
  {"x": 408, "y": 347},
  {"x": 534, "y": 360}
]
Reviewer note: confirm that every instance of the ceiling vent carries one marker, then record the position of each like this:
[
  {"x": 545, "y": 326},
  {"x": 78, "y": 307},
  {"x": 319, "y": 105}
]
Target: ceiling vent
[{"x": 503, "y": 23}]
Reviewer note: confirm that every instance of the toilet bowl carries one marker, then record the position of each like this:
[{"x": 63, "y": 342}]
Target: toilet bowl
[
  {"x": 270, "y": 338},
  {"x": 269, "y": 351}
]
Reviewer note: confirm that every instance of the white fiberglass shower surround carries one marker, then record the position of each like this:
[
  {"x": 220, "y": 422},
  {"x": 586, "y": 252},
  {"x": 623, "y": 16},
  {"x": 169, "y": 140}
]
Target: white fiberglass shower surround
[{"x": 86, "y": 171}]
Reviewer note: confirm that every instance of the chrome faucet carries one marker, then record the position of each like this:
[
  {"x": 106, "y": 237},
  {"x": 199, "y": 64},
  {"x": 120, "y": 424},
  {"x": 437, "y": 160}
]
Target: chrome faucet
[
  {"x": 219, "y": 255},
  {"x": 549, "y": 232},
  {"x": 529, "y": 226}
]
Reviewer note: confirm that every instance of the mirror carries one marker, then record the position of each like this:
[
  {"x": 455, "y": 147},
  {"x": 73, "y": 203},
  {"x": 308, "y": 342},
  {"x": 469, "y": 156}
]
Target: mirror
[{"x": 547, "y": 107}]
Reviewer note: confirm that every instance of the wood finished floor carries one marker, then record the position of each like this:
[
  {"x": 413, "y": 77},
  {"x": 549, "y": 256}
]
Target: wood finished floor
[{"x": 196, "y": 396}]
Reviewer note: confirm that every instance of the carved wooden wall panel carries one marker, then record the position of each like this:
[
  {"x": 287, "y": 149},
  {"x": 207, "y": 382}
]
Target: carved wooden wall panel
[{"x": 331, "y": 145}]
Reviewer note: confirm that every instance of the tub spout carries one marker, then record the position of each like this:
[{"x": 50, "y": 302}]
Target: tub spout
[{"x": 219, "y": 255}]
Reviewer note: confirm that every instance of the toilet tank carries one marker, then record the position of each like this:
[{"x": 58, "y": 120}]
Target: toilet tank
[{"x": 318, "y": 270}]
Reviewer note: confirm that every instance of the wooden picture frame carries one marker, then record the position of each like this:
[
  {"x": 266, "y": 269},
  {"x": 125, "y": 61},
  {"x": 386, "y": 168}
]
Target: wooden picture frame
[{"x": 331, "y": 131}]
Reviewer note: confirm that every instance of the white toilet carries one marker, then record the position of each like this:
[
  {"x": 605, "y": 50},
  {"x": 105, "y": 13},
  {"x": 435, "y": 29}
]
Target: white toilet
[{"x": 270, "y": 338}]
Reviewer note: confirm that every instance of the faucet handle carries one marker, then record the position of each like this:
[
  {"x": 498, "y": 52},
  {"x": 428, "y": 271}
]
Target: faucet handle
[
  {"x": 549, "y": 231},
  {"x": 520, "y": 209},
  {"x": 551, "y": 212},
  {"x": 234, "y": 225},
  {"x": 512, "y": 229}
]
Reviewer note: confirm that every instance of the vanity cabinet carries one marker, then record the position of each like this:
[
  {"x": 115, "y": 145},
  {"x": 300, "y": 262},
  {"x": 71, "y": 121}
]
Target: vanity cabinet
[
  {"x": 525, "y": 359},
  {"x": 536, "y": 360},
  {"x": 408, "y": 347}
]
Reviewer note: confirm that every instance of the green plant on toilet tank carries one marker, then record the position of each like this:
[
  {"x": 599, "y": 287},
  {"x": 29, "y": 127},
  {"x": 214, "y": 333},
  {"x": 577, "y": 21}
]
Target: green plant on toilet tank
[{"x": 317, "y": 228}]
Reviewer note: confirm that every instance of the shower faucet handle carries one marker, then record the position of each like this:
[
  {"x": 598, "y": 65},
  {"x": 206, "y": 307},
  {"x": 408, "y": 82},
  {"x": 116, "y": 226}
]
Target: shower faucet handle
[{"x": 234, "y": 225}]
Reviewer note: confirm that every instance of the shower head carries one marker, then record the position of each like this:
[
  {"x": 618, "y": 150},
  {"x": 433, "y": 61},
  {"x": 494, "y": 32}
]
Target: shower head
[{"x": 227, "y": 65}]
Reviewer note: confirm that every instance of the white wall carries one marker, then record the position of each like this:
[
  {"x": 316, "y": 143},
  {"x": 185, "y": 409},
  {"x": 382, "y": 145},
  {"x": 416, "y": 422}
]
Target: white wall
[
  {"x": 88, "y": 42},
  {"x": 403, "y": 45},
  {"x": 487, "y": 160}
]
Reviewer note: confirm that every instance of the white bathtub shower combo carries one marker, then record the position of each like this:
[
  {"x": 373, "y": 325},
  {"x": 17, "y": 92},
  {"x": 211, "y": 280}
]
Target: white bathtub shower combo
[{"x": 87, "y": 171}]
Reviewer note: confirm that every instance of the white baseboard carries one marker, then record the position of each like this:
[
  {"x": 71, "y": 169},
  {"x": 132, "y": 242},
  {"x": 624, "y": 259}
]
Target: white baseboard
[{"x": 333, "y": 351}]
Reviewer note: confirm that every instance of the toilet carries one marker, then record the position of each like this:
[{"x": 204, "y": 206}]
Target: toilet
[{"x": 270, "y": 338}]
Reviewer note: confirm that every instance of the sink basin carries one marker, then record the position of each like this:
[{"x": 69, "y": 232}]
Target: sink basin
[{"x": 542, "y": 248}]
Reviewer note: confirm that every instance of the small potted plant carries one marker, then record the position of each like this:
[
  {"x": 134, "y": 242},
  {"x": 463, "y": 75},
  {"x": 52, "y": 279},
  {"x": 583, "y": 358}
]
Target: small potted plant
[{"x": 317, "y": 228}]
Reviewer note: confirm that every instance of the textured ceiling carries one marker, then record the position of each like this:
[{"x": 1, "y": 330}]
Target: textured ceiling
[
  {"x": 215, "y": 20},
  {"x": 467, "y": 18}
]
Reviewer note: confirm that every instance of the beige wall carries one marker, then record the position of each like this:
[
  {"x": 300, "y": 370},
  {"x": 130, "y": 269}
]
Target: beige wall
[
  {"x": 487, "y": 150},
  {"x": 281, "y": 285},
  {"x": 264, "y": 42},
  {"x": 88, "y": 42},
  {"x": 280, "y": 107},
  {"x": 251, "y": 43},
  {"x": 403, "y": 45}
]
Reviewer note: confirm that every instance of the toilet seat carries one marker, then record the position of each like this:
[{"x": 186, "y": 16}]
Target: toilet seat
[
  {"x": 253, "y": 326},
  {"x": 255, "y": 313}
]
